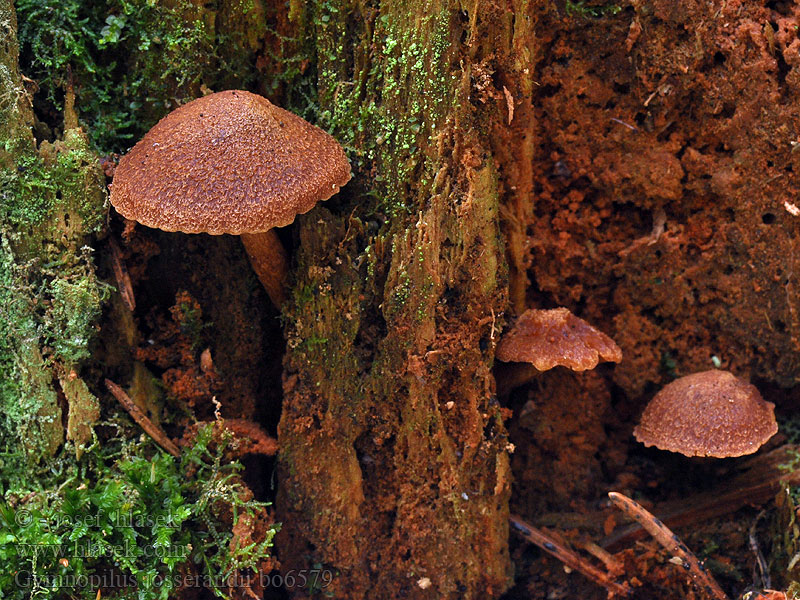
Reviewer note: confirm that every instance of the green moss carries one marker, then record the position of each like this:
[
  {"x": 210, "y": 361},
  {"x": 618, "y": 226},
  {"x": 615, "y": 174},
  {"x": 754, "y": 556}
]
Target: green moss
[
  {"x": 15, "y": 114},
  {"x": 50, "y": 203},
  {"x": 74, "y": 308},
  {"x": 586, "y": 11},
  {"x": 132, "y": 60},
  {"x": 29, "y": 413},
  {"x": 128, "y": 62},
  {"x": 26, "y": 192},
  {"x": 46, "y": 325},
  {"x": 55, "y": 192},
  {"x": 145, "y": 521},
  {"x": 81, "y": 183},
  {"x": 190, "y": 317}
]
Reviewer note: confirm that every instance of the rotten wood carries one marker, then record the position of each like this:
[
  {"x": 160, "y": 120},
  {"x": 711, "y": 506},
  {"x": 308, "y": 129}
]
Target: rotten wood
[{"x": 758, "y": 481}]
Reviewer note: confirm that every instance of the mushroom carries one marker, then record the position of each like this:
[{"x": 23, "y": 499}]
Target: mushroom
[
  {"x": 712, "y": 413},
  {"x": 550, "y": 338},
  {"x": 231, "y": 162}
]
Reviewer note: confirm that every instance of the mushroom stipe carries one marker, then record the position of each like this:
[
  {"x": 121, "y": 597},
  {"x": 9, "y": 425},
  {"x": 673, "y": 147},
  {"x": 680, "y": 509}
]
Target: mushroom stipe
[{"x": 269, "y": 261}]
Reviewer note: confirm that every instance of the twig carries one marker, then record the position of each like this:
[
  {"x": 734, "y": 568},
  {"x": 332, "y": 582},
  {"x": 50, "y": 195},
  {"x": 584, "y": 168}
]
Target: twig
[
  {"x": 121, "y": 275},
  {"x": 567, "y": 556},
  {"x": 153, "y": 430},
  {"x": 766, "y": 580},
  {"x": 631, "y": 127},
  {"x": 662, "y": 534},
  {"x": 612, "y": 564}
]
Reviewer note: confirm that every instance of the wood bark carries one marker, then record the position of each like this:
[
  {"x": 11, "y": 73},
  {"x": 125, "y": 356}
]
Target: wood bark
[{"x": 394, "y": 458}]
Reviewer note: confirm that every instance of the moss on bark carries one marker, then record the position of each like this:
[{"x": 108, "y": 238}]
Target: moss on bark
[
  {"x": 52, "y": 200},
  {"x": 393, "y": 450}
]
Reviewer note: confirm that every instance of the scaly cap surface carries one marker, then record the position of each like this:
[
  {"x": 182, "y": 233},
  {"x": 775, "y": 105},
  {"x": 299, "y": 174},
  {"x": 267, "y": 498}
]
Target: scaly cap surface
[
  {"x": 230, "y": 162},
  {"x": 712, "y": 413}
]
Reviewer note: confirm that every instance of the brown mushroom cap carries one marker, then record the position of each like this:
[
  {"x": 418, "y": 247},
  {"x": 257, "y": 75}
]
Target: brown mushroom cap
[
  {"x": 230, "y": 162},
  {"x": 556, "y": 337},
  {"x": 707, "y": 414}
]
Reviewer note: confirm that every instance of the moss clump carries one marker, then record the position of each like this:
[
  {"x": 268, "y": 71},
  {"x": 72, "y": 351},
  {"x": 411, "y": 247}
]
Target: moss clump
[
  {"x": 189, "y": 315},
  {"x": 132, "y": 60},
  {"x": 51, "y": 201},
  {"x": 55, "y": 193},
  {"x": 26, "y": 192},
  {"x": 74, "y": 308},
  {"x": 145, "y": 526}
]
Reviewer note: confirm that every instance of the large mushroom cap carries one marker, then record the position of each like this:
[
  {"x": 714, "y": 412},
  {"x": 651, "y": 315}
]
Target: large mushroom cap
[
  {"x": 707, "y": 414},
  {"x": 556, "y": 337},
  {"x": 230, "y": 162}
]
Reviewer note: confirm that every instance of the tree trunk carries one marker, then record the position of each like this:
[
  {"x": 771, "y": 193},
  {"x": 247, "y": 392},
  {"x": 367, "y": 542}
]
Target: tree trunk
[{"x": 394, "y": 465}]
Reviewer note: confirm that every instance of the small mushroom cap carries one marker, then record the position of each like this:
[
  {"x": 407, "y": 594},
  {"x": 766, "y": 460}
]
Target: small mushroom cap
[
  {"x": 712, "y": 413},
  {"x": 229, "y": 162},
  {"x": 556, "y": 337}
]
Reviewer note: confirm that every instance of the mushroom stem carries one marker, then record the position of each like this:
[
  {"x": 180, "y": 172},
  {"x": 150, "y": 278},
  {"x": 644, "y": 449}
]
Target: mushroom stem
[
  {"x": 268, "y": 257},
  {"x": 510, "y": 376}
]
